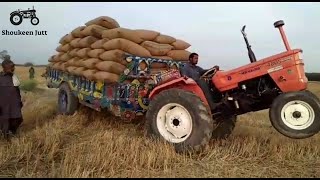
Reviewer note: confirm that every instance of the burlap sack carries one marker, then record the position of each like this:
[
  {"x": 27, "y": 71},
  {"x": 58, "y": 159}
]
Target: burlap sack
[
  {"x": 64, "y": 48},
  {"x": 164, "y": 39},
  {"x": 83, "y": 53},
  {"x": 90, "y": 63},
  {"x": 65, "y": 57},
  {"x": 99, "y": 44},
  {"x": 73, "y": 61},
  {"x": 89, "y": 74},
  {"x": 56, "y": 57},
  {"x": 147, "y": 35},
  {"x": 87, "y": 41},
  {"x": 157, "y": 49},
  {"x": 94, "y": 53},
  {"x": 104, "y": 21},
  {"x": 123, "y": 33},
  {"x": 78, "y": 71},
  {"x": 111, "y": 66},
  {"x": 77, "y": 32},
  {"x": 181, "y": 55},
  {"x": 73, "y": 52},
  {"x": 71, "y": 69},
  {"x": 114, "y": 55},
  {"x": 50, "y": 64},
  {"x": 93, "y": 30},
  {"x": 79, "y": 62},
  {"x": 106, "y": 77},
  {"x": 180, "y": 45},
  {"x": 127, "y": 46},
  {"x": 155, "y": 65},
  {"x": 63, "y": 39},
  {"x": 51, "y": 58},
  {"x": 75, "y": 43},
  {"x": 162, "y": 57}
]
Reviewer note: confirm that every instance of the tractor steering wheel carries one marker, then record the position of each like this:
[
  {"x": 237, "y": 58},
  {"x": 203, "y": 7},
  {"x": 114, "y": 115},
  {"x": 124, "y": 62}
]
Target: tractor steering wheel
[{"x": 211, "y": 71}]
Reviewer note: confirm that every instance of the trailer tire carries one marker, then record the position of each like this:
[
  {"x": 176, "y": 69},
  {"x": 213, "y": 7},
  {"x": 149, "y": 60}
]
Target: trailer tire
[
  {"x": 68, "y": 103},
  {"x": 225, "y": 127},
  {"x": 284, "y": 117},
  {"x": 189, "y": 110}
]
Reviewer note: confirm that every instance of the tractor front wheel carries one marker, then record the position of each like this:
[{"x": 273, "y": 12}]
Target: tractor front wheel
[
  {"x": 34, "y": 21},
  {"x": 180, "y": 118},
  {"x": 296, "y": 114}
]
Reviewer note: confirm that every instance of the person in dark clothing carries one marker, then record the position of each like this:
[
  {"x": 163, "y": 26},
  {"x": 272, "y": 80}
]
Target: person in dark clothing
[
  {"x": 10, "y": 99},
  {"x": 31, "y": 72},
  {"x": 191, "y": 70}
]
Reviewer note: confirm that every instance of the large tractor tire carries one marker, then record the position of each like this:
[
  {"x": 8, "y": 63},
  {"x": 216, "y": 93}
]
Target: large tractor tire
[
  {"x": 68, "y": 103},
  {"x": 225, "y": 127},
  {"x": 16, "y": 18},
  {"x": 180, "y": 118},
  {"x": 296, "y": 114}
]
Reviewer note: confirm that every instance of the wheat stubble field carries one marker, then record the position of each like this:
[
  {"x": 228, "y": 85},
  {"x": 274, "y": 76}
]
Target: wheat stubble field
[{"x": 92, "y": 144}]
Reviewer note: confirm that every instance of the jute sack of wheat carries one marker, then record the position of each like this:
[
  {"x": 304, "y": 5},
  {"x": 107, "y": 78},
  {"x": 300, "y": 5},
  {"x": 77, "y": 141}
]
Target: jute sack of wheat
[
  {"x": 181, "y": 55},
  {"x": 51, "y": 58},
  {"x": 89, "y": 74},
  {"x": 90, "y": 63},
  {"x": 164, "y": 39},
  {"x": 75, "y": 43},
  {"x": 64, "y": 48},
  {"x": 104, "y": 21},
  {"x": 111, "y": 67},
  {"x": 93, "y": 30},
  {"x": 66, "y": 39},
  {"x": 118, "y": 56},
  {"x": 83, "y": 53},
  {"x": 123, "y": 33},
  {"x": 73, "y": 52},
  {"x": 65, "y": 57},
  {"x": 86, "y": 41},
  {"x": 77, "y": 32},
  {"x": 95, "y": 53},
  {"x": 78, "y": 71},
  {"x": 127, "y": 46},
  {"x": 71, "y": 69},
  {"x": 106, "y": 77},
  {"x": 180, "y": 45},
  {"x": 73, "y": 61},
  {"x": 157, "y": 49},
  {"x": 146, "y": 35},
  {"x": 99, "y": 44}
]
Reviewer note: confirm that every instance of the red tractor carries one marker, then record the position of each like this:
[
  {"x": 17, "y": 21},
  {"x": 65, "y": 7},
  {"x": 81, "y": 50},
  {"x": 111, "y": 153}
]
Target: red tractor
[{"x": 179, "y": 112}]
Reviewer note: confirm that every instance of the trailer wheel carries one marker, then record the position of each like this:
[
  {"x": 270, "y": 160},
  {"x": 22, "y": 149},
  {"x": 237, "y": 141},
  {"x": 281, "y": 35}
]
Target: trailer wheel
[
  {"x": 34, "y": 21},
  {"x": 180, "y": 118},
  {"x": 225, "y": 127},
  {"x": 296, "y": 114},
  {"x": 68, "y": 103},
  {"x": 16, "y": 19}
]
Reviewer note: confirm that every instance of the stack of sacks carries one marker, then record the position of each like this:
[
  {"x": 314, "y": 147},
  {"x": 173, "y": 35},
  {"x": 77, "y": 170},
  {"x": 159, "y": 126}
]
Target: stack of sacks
[{"x": 96, "y": 50}]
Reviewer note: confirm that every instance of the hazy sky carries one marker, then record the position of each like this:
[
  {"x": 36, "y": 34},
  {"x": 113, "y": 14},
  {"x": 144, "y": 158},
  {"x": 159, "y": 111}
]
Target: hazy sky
[{"x": 213, "y": 29}]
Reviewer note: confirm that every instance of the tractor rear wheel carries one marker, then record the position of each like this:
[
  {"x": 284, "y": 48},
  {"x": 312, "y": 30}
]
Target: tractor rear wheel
[
  {"x": 16, "y": 19},
  {"x": 296, "y": 114},
  {"x": 225, "y": 127},
  {"x": 68, "y": 103},
  {"x": 180, "y": 118}
]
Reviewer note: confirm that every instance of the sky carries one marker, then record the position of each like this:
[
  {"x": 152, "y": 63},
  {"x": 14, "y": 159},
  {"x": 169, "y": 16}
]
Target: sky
[{"x": 212, "y": 29}]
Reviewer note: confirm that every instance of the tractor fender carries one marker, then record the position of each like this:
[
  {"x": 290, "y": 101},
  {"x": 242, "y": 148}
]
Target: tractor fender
[
  {"x": 180, "y": 83},
  {"x": 13, "y": 12}
]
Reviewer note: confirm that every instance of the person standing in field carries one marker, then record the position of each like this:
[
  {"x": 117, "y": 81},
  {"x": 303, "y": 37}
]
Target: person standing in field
[
  {"x": 31, "y": 72},
  {"x": 10, "y": 104}
]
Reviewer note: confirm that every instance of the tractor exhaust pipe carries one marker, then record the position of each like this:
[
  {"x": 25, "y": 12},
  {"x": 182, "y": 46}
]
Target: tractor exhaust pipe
[
  {"x": 279, "y": 25},
  {"x": 252, "y": 57}
]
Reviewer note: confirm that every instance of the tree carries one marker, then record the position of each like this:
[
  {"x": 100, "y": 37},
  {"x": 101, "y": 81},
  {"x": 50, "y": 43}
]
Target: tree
[{"x": 28, "y": 64}]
